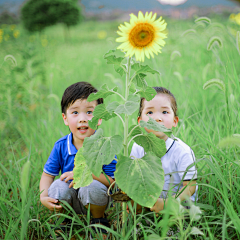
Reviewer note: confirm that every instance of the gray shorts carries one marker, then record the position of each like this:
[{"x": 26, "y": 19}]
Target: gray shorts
[{"x": 95, "y": 193}]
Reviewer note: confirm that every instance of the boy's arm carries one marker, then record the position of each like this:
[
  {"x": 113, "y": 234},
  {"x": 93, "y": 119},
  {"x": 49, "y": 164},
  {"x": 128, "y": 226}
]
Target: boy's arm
[
  {"x": 45, "y": 183},
  {"x": 186, "y": 194},
  {"x": 103, "y": 179}
]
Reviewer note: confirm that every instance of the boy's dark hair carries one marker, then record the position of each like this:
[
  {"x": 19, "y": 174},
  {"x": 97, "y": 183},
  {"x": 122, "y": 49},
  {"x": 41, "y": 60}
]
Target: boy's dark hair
[
  {"x": 163, "y": 91},
  {"x": 79, "y": 90}
]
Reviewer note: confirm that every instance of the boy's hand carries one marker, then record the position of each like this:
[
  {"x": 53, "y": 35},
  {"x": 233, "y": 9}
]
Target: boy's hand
[
  {"x": 158, "y": 206},
  {"x": 50, "y": 203},
  {"x": 66, "y": 177}
]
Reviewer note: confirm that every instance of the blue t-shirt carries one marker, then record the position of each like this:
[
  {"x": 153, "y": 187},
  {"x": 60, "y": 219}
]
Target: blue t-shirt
[{"x": 62, "y": 158}]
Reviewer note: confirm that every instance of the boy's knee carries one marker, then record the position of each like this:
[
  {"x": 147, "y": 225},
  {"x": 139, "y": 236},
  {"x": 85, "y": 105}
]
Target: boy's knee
[
  {"x": 95, "y": 193},
  {"x": 60, "y": 190}
]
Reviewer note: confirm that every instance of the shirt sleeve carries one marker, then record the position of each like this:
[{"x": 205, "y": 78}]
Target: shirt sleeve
[
  {"x": 184, "y": 162},
  {"x": 52, "y": 166},
  {"x": 110, "y": 168},
  {"x": 137, "y": 151}
]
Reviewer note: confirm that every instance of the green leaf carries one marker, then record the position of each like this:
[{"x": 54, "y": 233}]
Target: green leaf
[
  {"x": 120, "y": 69},
  {"x": 154, "y": 237},
  {"x": 141, "y": 178},
  {"x": 82, "y": 175},
  {"x": 112, "y": 106},
  {"x": 100, "y": 112},
  {"x": 152, "y": 124},
  {"x": 146, "y": 69},
  {"x": 149, "y": 141},
  {"x": 25, "y": 179},
  {"x": 149, "y": 93},
  {"x": 131, "y": 105},
  {"x": 132, "y": 88},
  {"x": 139, "y": 79},
  {"x": 196, "y": 231},
  {"x": 99, "y": 150},
  {"x": 238, "y": 41},
  {"x": 102, "y": 93}
]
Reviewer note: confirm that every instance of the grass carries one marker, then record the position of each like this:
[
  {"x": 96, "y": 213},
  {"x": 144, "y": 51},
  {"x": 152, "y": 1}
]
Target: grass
[{"x": 31, "y": 121}]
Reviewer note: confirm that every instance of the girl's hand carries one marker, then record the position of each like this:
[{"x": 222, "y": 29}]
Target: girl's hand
[
  {"x": 51, "y": 203},
  {"x": 66, "y": 177},
  {"x": 158, "y": 206}
]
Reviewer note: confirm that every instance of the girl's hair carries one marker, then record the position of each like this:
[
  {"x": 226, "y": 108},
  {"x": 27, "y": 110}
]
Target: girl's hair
[
  {"x": 163, "y": 91},
  {"x": 79, "y": 90}
]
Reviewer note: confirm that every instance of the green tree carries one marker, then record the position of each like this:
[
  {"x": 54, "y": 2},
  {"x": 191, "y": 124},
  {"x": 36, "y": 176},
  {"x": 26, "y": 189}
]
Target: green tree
[{"x": 39, "y": 14}]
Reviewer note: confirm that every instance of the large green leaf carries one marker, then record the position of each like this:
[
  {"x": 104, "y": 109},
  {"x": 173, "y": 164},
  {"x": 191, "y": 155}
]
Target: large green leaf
[
  {"x": 82, "y": 175},
  {"x": 99, "y": 150},
  {"x": 142, "y": 179},
  {"x": 152, "y": 124},
  {"x": 117, "y": 61},
  {"x": 149, "y": 93},
  {"x": 102, "y": 93},
  {"x": 149, "y": 141},
  {"x": 100, "y": 112},
  {"x": 112, "y": 106},
  {"x": 131, "y": 105}
]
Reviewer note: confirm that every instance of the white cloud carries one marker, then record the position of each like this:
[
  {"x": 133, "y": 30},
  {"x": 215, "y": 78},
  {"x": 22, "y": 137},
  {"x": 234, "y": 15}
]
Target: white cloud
[{"x": 172, "y": 2}]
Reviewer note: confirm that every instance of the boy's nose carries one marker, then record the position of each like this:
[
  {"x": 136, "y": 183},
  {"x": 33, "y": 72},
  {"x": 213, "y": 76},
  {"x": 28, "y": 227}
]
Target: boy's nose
[{"x": 82, "y": 118}]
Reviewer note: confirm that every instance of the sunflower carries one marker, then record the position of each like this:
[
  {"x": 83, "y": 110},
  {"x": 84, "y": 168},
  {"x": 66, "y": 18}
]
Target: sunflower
[{"x": 142, "y": 36}]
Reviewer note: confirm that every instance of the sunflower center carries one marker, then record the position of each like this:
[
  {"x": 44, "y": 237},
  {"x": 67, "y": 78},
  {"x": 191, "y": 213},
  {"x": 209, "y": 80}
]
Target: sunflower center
[{"x": 141, "y": 35}]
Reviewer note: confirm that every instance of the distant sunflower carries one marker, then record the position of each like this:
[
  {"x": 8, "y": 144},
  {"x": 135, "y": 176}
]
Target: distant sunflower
[{"x": 142, "y": 36}]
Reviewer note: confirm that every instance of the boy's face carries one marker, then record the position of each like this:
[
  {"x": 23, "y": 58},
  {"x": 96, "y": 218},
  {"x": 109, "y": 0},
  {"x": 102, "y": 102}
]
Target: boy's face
[
  {"x": 77, "y": 116},
  {"x": 160, "y": 109}
]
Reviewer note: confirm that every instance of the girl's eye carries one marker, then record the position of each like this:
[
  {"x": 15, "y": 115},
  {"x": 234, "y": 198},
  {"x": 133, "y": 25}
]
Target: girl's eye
[
  {"x": 89, "y": 112},
  {"x": 150, "y": 112},
  {"x": 165, "y": 112},
  {"x": 75, "y": 112}
]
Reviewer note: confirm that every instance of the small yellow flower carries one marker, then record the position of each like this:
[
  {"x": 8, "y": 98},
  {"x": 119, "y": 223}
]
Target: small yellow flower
[
  {"x": 16, "y": 33},
  {"x": 232, "y": 17},
  {"x": 6, "y": 37},
  {"x": 102, "y": 34},
  {"x": 44, "y": 42},
  {"x": 12, "y": 27},
  {"x": 237, "y": 18},
  {"x": 142, "y": 36}
]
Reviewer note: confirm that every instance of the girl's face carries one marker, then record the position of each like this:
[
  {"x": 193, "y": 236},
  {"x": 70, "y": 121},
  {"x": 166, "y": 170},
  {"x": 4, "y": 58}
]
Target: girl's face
[{"x": 160, "y": 109}]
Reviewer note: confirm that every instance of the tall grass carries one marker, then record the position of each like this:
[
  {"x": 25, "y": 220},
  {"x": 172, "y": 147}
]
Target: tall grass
[{"x": 30, "y": 122}]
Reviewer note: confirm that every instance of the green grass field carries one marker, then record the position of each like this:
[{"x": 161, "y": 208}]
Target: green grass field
[{"x": 31, "y": 122}]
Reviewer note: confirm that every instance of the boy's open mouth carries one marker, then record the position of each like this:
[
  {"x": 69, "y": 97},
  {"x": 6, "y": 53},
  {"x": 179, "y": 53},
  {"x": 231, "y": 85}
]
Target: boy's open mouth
[{"x": 83, "y": 129}]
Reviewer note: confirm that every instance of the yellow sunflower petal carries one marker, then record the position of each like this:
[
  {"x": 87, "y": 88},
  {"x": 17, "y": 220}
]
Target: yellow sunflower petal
[{"x": 140, "y": 15}]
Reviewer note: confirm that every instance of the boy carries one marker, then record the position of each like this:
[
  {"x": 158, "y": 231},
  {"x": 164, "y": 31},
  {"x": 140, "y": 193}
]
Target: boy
[
  {"x": 163, "y": 109},
  {"x": 76, "y": 113}
]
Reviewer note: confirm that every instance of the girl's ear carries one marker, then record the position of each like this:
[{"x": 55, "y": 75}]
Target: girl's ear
[
  {"x": 99, "y": 122},
  {"x": 139, "y": 118},
  {"x": 175, "y": 121},
  {"x": 65, "y": 119}
]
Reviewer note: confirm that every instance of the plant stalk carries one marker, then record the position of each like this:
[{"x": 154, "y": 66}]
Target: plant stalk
[{"x": 125, "y": 143}]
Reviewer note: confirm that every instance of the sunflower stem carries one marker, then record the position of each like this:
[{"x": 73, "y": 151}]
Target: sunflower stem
[{"x": 126, "y": 138}]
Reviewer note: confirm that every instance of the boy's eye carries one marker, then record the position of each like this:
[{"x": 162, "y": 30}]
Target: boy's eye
[
  {"x": 165, "y": 112},
  {"x": 89, "y": 112},
  {"x": 150, "y": 112},
  {"x": 75, "y": 112}
]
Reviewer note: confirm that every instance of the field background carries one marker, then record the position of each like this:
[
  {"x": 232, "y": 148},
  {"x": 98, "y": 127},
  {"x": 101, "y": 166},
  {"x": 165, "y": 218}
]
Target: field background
[{"x": 31, "y": 122}]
